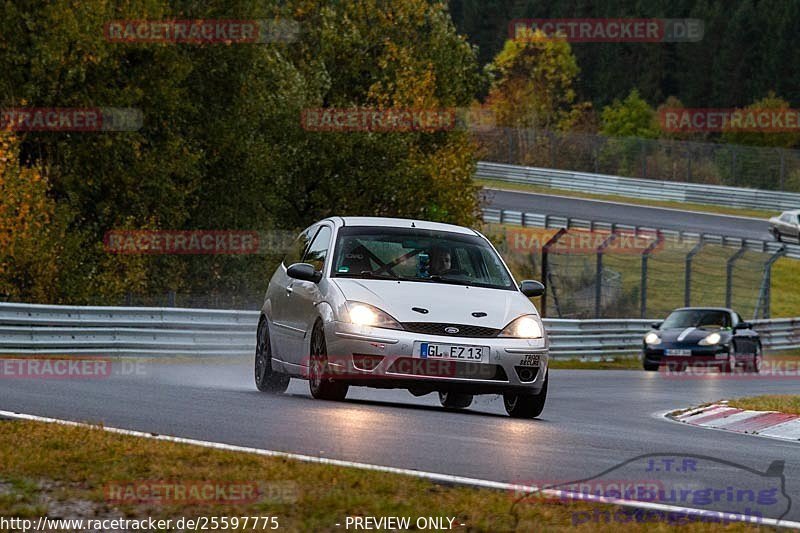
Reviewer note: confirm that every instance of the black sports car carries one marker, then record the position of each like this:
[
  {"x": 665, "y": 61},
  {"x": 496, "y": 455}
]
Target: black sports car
[{"x": 701, "y": 336}]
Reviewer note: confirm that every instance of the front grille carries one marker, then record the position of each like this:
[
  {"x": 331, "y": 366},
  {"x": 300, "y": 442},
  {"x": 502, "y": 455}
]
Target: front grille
[{"x": 434, "y": 328}]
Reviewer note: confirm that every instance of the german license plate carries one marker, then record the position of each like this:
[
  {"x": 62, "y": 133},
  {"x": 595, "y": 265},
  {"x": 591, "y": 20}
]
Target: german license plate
[
  {"x": 679, "y": 353},
  {"x": 457, "y": 352}
]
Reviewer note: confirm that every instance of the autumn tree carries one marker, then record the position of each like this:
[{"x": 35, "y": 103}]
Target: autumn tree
[
  {"x": 533, "y": 81},
  {"x": 29, "y": 235}
]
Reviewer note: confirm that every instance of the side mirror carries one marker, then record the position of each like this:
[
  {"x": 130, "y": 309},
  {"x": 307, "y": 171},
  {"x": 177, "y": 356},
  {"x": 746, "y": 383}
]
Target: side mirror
[
  {"x": 531, "y": 288},
  {"x": 305, "y": 272},
  {"x": 655, "y": 325},
  {"x": 744, "y": 325}
]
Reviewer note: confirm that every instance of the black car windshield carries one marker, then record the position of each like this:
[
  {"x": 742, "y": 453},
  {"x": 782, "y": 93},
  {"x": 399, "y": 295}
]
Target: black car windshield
[
  {"x": 419, "y": 255},
  {"x": 698, "y": 318}
]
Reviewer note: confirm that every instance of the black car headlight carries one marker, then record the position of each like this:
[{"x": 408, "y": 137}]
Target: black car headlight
[{"x": 652, "y": 339}]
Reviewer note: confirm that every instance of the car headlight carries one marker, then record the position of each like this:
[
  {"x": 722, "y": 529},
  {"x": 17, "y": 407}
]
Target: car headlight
[
  {"x": 524, "y": 327},
  {"x": 652, "y": 338},
  {"x": 368, "y": 315},
  {"x": 710, "y": 340}
]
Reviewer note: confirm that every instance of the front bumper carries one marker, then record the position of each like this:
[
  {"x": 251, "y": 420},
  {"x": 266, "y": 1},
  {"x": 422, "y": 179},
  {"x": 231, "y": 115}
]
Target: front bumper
[
  {"x": 717, "y": 355},
  {"x": 385, "y": 358}
]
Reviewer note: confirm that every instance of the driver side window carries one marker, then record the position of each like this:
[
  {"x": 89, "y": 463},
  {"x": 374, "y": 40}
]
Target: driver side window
[
  {"x": 318, "y": 250},
  {"x": 298, "y": 248}
]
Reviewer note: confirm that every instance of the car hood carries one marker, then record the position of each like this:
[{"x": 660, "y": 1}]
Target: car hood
[
  {"x": 689, "y": 335},
  {"x": 452, "y": 304}
]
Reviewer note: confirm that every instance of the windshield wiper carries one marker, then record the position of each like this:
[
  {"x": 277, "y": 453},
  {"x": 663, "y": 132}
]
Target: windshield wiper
[
  {"x": 452, "y": 281},
  {"x": 369, "y": 275}
]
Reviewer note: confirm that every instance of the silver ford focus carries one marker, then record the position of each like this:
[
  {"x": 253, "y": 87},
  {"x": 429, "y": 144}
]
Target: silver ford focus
[{"x": 396, "y": 303}]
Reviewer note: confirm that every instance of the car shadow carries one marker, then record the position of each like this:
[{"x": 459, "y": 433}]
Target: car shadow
[{"x": 415, "y": 407}]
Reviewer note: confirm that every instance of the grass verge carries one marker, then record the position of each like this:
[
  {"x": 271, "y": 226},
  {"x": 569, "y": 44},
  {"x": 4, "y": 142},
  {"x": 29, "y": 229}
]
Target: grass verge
[
  {"x": 66, "y": 472},
  {"x": 683, "y": 206},
  {"x": 609, "y": 363},
  {"x": 784, "y": 403}
]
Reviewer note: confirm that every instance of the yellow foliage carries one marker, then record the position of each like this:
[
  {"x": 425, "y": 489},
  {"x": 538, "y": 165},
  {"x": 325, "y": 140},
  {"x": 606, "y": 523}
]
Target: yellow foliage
[{"x": 28, "y": 242}]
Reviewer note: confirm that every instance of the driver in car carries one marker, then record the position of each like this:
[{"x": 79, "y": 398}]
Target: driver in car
[{"x": 441, "y": 261}]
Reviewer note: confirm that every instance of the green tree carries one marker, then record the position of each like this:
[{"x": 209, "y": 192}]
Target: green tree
[{"x": 631, "y": 117}]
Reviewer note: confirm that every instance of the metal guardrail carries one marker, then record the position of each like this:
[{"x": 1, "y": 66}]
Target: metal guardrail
[
  {"x": 641, "y": 188},
  {"x": 537, "y": 220},
  {"x": 30, "y": 329}
]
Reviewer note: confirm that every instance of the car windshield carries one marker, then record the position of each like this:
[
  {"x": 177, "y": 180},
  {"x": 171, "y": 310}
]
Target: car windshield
[
  {"x": 418, "y": 255},
  {"x": 698, "y": 318}
]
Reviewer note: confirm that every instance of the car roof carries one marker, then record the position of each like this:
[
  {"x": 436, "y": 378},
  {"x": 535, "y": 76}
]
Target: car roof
[
  {"x": 791, "y": 212},
  {"x": 400, "y": 222},
  {"x": 705, "y": 309}
]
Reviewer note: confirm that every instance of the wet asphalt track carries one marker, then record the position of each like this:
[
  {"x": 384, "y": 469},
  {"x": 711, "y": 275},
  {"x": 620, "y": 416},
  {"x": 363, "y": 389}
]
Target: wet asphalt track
[
  {"x": 594, "y": 420},
  {"x": 603, "y": 211}
]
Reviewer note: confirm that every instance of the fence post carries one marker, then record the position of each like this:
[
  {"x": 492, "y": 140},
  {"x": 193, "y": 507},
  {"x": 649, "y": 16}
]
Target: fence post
[
  {"x": 764, "y": 293},
  {"x": 783, "y": 168},
  {"x": 644, "y": 158},
  {"x": 598, "y": 284},
  {"x": 729, "y": 275},
  {"x": 645, "y": 256},
  {"x": 689, "y": 166},
  {"x": 171, "y": 299},
  {"x": 545, "y": 273},
  {"x": 687, "y": 288}
]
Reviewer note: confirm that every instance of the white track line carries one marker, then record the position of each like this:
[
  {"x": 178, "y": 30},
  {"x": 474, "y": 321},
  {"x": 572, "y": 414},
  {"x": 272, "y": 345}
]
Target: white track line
[
  {"x": 685, "y": 211},
  {"x": 442, "y": 478}
]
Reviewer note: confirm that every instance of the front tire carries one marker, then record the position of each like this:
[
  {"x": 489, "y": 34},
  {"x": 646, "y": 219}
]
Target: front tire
[
  {"x": 320, "y": 384},
  {"x": 455, "y": 400},
  {"x": 729, "y": 366},
  {"x": 267, "y": 379},
  {"x": 777, "y": 235},
  {"x": 754, "y": 366},
  {"x": 526, "y": 405},
  {"x": 650, "y": 367}
]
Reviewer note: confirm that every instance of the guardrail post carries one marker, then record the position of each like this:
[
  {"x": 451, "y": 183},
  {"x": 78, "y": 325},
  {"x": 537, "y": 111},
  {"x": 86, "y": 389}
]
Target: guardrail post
[
  {"x": 171, "y": 299},
  {"x": 645, "y": 256},
  {"x": 598, "y": 287},
  {"x": 729, "y": 275},
  {"x": 764, "y": 292},
  {"x": 687, "y": 288},
  {"x": 545, "y": 269}
]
